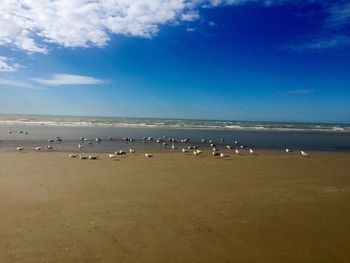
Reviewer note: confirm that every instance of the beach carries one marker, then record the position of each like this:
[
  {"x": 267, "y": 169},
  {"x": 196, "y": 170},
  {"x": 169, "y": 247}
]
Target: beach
[{"x": 175, "y": 207}]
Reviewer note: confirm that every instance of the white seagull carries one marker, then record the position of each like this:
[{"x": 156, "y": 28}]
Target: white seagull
[
  {"x": 72, "y": 155},
  {"x": 111, "y": 155},
  {"x": 38, "y": 148},
  {"x": 304, "y": 154},
  {"x": 20, "y": 148},
  {"x": 131, "y": 150},
  {"x": 148, "y": 154},
  {"x": 251, "y": 151},
  {"x": 197, "y": 152},
  {"x": 237, "y": 151}
]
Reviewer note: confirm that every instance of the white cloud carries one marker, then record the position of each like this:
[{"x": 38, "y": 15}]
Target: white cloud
[
  {"x": 5, "y": 65},
  {"x": 17, "y": 83},
  {"x": 31, "y": 25},
  {"x": 68, "y": 79}
]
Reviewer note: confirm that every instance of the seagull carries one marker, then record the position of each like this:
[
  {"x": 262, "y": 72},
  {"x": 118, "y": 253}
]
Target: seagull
[
  {"x": 88, "y": 142},
  {"x": 215, "y": 150},
  {"x": 215, "y": 154},
  {"x": 97, "y": 139},
  {"x": 82, "y": 157},
  {"x": 111, "y": 155},
  {"x": 197, "y": 152},
  {"x": 80, "y": 146},
  {"x": 229, "y": 147},
  {"x": 49, "y": 147},
  {"x": 288, "y": 150},
  {"x": 20, "y": 148},
  {"x": 173, "y": 147},
  {"x": 304, "y": 154},
  {"x": 93, "y": 157},
  {"x": 237, "y": 151},
  {"x": 72, "y": 155},
  {"x": 120, "y": 152},
  {"x": 222, "y": 155},
  {"x": 148, "y": 154},
  {"x": 82, "y": 138},
  {"x": 38, "y": 148},
  {"x": 251, "y": 151},
  {"x": 51, "y": 140},
  {"x": 131, "y": 150},
  {"x": 184, "y": 150},
  {"x": 212, "y": 145}
]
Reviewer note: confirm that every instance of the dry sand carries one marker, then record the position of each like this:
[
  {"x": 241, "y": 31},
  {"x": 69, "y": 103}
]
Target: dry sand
[{"x": 272, "y": 207}]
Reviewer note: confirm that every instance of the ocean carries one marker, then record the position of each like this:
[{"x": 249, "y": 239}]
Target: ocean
[{"x": 35, "y": 130}]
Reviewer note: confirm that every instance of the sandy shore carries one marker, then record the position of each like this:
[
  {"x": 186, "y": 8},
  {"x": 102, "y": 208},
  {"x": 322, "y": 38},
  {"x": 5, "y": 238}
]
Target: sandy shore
[{"x": 272, "y": 207}]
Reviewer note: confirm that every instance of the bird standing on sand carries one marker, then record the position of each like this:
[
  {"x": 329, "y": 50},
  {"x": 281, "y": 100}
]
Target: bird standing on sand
[
  {"x": 251, "y": 151},
  {"x": 184, "y": 150},
  {"x": 237, "y": 151},
  {"x": 222, "y": 155},
  {"x": 49, "y": 147},
  {"x": 197, "y": 152},
  {"x": 148, "y": 154},
  {"x": 304, "y": 154},
  {"x": 80, "y": 146},
  {"x": 82, "y": 157},
  {"x": 111, "y": 155},
  {"x": 38, "y": 148},
  {"x": 20, "y": 148},
  {"x": 131, "y": 150},
  {"x": 72, "y": 155},
  {"x": 93, "y": 157},
  {"x": 288, "y": 150}
]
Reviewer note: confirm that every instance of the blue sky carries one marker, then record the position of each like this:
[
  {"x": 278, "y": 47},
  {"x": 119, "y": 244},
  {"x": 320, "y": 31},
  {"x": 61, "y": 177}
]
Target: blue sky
[{"x": 215, "y": 59}]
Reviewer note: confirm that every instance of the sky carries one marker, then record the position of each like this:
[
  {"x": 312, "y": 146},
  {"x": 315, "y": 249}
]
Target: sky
[{"x": 260, "y": 60}]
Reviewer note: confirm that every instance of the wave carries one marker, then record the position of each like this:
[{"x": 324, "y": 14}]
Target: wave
[{"x": 167, "y": 123}]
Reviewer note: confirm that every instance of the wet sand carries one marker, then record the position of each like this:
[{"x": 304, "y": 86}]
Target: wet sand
[{"x": 174, "y": 207}]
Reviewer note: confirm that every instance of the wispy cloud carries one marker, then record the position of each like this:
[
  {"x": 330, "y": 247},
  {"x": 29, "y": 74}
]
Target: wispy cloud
[
  {"x": 67, "y": 79},
  {"x": 191, "y": 29},
  {"x": 301, "y": 91},
  {"x": 320, "y": 43},
  {"x": 339, "y": 15},
  {"x": 18, "y": 84},
  {"x": 7, "y": 65}
]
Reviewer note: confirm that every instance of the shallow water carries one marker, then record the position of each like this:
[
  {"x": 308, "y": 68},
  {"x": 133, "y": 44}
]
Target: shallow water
[{"x": 38, "y": 135}]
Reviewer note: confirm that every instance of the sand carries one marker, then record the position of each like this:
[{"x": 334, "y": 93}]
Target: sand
[{"x": 271, "y": 207}]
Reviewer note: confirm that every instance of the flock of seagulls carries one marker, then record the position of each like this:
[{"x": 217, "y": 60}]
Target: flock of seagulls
[{"x": 162, "y": 141}]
